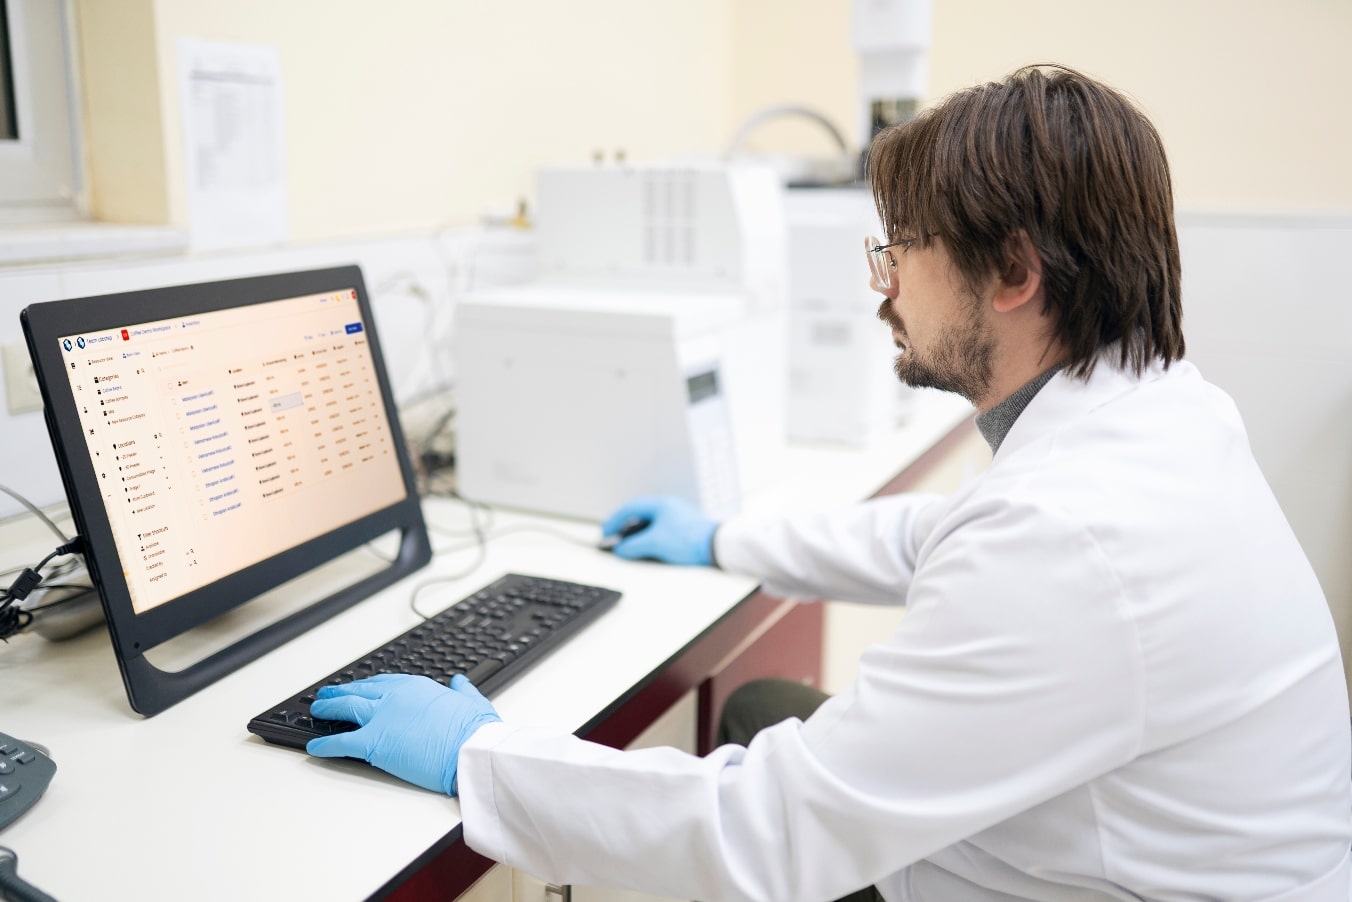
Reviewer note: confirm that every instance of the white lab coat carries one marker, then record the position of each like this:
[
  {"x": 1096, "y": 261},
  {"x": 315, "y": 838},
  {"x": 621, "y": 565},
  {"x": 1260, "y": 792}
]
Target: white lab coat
[{"x": 1117, "y": 679}]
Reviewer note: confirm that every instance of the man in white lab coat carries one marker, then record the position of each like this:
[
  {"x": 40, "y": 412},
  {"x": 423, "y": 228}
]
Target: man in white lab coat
[{"x": 1118, "y": 676}]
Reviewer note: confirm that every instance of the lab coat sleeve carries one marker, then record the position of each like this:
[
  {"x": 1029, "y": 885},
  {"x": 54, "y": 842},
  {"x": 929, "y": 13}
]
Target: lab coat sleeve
[
  {"x": 863, "y": 553},
  {"x": 1014, "y": 678}
]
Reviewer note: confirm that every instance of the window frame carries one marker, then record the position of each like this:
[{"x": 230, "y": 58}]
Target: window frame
[{"x": 41, "y": 173}]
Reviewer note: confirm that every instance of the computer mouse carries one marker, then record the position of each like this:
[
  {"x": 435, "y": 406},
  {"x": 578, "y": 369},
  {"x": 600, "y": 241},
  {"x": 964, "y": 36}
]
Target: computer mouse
[{"x": 627, "y": 529}]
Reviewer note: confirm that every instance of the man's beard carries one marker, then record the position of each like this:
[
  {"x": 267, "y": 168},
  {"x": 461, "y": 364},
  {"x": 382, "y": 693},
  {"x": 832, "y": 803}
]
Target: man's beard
[{"x": 959, "y": 362}]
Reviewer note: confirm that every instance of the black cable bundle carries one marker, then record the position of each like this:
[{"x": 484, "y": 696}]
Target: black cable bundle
[{"x": 13, "y": 618}]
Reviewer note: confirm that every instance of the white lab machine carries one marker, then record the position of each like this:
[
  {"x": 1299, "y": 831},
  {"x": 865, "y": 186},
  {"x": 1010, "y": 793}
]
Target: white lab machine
[
  {"x": 696, "y": 226},
  {"x": 647, "y": 358},
  {"x": 892, "y": 38},
  {"x": 841, "y": 385}
]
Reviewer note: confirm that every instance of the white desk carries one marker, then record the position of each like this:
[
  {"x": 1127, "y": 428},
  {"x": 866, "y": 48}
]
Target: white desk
[{"x": 188, "y": 805}]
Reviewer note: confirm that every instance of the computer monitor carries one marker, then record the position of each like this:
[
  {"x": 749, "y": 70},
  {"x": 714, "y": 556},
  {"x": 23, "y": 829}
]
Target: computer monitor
[{"x": 215, "y": 441}]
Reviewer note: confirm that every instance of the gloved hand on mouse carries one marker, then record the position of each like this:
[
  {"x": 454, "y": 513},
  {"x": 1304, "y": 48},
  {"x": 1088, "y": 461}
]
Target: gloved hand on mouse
[
  {"x": 676, "y": 532},
  {"x": 409, "y": 726}
]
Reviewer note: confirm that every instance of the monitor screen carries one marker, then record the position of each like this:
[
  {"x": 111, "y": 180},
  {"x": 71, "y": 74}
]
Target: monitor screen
[
  {"x": 222, "y": 438},
  {"x": 217, "y": 440}
]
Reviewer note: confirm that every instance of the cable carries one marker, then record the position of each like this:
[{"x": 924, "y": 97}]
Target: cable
[
  {"x": 476, "y": 509},
  {"x": 448, "y": 578},
  {"x": 430, "y": 461},
  {"x": 14, "y": 619},
  {"x": 33, "y": 509},
  {"x": 438, "y": 426},
  {"x": 481, "y": 539},
  {"x": 13, "y": 887},
  {"x": 544, "y": 530},
  {"x": 406, "y": 283}
]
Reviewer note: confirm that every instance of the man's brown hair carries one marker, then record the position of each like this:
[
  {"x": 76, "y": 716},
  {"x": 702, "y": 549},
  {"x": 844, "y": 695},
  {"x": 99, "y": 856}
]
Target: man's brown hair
[{"x": 1076, "y": 166}]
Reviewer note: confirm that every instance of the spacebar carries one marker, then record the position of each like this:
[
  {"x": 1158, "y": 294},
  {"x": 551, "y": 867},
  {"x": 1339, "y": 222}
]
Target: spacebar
[{"x": 483, "y": 670}]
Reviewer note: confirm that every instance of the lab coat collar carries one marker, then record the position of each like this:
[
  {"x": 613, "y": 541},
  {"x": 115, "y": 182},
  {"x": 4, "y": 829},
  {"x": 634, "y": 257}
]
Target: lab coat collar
[{"x": 1066, "y": 398}]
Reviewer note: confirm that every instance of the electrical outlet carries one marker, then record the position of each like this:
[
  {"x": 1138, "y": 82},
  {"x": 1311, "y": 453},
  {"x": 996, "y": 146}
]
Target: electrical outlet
[{"x": 21, "y": 383}]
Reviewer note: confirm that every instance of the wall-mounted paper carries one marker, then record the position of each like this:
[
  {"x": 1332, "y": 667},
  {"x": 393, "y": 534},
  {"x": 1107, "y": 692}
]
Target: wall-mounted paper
[{"x": 234, "y": 138}]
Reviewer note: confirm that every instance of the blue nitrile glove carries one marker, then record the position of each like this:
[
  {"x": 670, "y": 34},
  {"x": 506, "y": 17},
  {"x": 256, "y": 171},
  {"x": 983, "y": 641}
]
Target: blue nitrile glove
[
  {"x": 410, "y": 726},
  {"x": 676, "y": 531}
]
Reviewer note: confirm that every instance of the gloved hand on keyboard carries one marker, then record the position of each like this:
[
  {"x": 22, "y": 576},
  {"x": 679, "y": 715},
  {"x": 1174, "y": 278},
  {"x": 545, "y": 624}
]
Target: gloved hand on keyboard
[
  {"x": 410, "y": 726},
  {"x": 675, "y": 531}
]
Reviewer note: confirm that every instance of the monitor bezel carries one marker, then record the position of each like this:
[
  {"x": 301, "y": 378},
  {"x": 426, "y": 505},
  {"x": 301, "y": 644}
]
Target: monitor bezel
[{"x": 149, "y": 688}]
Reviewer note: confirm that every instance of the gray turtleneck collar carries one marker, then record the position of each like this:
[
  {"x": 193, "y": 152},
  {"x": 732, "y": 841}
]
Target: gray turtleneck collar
[{"x": 995, "y": 423}]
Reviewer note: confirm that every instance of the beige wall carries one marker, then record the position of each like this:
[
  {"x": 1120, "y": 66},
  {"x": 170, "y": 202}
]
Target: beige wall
[
  {"x": 1251, "y": 97},
  {"x": 122, "y": 113},
  {"x": 416, "y": 113},
  {"x": 792, "y": 52}
]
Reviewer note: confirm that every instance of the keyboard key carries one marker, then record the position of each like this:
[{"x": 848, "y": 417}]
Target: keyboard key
[{"x": 484, "y": 670}]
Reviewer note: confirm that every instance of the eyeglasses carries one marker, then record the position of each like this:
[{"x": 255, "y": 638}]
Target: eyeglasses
[{"x": 880, "y": 263}]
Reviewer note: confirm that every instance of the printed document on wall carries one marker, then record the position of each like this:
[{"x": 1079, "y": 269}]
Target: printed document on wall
[{"x": 234, "y": 143}]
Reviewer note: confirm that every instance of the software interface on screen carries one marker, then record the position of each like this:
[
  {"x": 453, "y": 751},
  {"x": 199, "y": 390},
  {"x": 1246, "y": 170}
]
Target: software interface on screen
[{"x": 221, "y": 439}]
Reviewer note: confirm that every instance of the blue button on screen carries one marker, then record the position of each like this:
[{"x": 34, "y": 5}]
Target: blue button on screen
[{"x": 353, "y": 327}]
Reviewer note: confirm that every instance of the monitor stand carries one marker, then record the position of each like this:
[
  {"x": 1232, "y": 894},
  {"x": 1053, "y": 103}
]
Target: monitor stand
[{"x": 246, "y": 633}]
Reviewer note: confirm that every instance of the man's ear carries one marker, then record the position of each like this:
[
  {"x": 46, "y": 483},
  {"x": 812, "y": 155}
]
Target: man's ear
[{"x": 1020, "y": 280}]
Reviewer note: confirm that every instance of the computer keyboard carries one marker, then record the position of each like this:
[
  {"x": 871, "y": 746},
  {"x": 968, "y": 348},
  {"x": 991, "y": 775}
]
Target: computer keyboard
[{"x": 492, "y": 636}]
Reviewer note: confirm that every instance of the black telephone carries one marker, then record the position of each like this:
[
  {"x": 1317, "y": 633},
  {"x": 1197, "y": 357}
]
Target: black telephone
[{"x": 25, "y": 771}]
